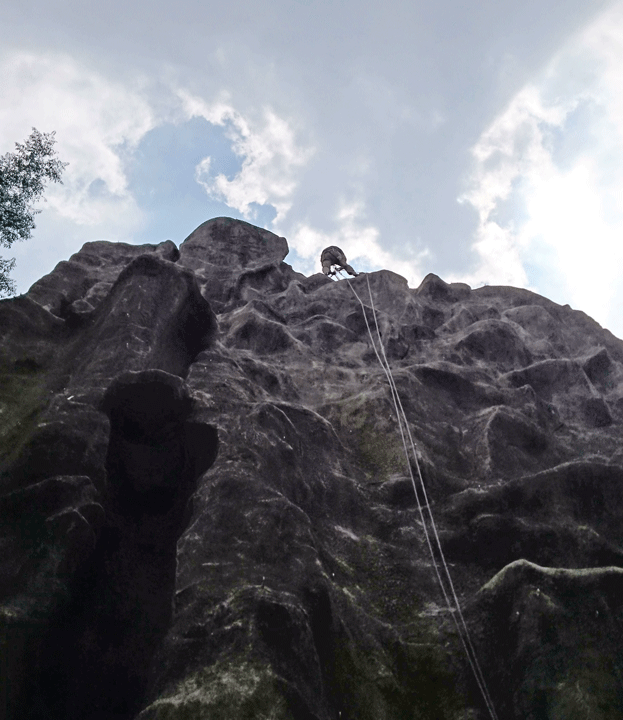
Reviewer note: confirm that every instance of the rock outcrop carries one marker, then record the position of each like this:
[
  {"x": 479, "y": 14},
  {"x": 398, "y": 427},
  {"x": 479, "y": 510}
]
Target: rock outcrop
[{"x": 206, "y": 510}]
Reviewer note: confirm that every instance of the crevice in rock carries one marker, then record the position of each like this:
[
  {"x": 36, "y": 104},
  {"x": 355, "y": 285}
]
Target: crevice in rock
[
  {"x": 96, "y": 658},
  {"x": 195, "y": 332},
  {"x": 322, "y": 625}
]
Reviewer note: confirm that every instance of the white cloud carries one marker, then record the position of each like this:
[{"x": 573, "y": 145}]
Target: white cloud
[
  {"x": 561, "y": 171},
  {"x": 92, "y": 116},
  {"x": 359, "y": 241},
  {"x": 271, "y": 158},
  {"x": 99, "y": 121}
]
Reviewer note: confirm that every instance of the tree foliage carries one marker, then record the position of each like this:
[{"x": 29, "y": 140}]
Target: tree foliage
[{"x": 22, "y": 182}]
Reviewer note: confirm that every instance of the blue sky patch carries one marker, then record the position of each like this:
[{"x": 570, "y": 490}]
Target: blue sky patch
[{"x": 161, "y": 177}]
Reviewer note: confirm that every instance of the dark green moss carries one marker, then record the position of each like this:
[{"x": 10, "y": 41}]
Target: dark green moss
[
  {"x": 23, "y": 396},
  {"x": 380, "y": 454}
]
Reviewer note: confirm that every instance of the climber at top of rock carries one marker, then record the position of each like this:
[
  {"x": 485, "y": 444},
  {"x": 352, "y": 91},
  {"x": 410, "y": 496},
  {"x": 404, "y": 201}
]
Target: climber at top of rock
[{"x": 334, "y": 256}]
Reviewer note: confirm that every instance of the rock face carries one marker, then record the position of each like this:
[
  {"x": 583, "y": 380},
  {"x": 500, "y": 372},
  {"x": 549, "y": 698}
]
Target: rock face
[{"x": 206, "y": 510}]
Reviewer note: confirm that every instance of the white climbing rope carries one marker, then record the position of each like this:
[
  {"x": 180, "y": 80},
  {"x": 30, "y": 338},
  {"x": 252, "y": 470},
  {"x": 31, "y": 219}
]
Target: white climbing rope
[{"x": 402, "y": 420}]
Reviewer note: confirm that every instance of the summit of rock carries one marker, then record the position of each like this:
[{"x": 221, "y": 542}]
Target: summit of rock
[{"x": 231, "y": 243}]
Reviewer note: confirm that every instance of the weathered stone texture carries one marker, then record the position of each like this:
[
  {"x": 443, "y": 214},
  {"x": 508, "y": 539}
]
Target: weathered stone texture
[{"x": 206, "y": 512}]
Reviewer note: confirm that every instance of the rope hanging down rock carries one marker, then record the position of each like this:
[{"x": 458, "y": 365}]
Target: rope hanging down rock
[{"x": 454, "y": 608}]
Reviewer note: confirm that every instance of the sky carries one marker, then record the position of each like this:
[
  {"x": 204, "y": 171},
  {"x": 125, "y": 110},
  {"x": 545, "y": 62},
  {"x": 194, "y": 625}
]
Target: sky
[{"x": 479, "y": 141}]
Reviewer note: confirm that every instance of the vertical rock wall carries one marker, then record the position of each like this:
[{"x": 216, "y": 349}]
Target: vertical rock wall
[{"x": 205, "y": 508}]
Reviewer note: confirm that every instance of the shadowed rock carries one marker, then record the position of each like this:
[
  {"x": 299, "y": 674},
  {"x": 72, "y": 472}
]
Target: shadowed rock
[
  {"x": 534, "y": 617},
  {"x": 96, "y": 656}
]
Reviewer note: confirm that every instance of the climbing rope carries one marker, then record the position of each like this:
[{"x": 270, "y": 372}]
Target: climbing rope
[{"x": 455, "y": 609}]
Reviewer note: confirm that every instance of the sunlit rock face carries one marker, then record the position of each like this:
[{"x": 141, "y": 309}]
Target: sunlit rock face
[{"x": 206, "y": 511}]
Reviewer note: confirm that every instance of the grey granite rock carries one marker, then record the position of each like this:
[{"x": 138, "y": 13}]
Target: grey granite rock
[{"x": 206, "y": 511}]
